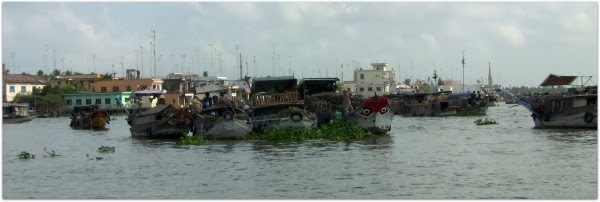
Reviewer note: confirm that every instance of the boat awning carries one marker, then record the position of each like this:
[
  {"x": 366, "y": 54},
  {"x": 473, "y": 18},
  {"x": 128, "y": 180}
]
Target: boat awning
[
  {"x": 210, "y": 88},
  {"x": 556, "y": 80},
  {"x": 154, "y": 110},
  {"x": 317, "y": 85},
  {"x": 277, "y": 84}
]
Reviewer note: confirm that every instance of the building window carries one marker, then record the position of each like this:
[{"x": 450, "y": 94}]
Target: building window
[
  {"x": 23, "y": 89},
  {"x": 12, "y": 89},
  {"x": 362, "y": 76},
  {"x": 127, "y": 88},
  {"x": 78, "y": 102},
  {"x": 103, "y": 89},
  {"x": 115, "y": 89},
  {"x": 144, "y": 87},
  {"x": 88, "y": 101},
  {"x": 362, "y": 89},
  {"x": 98, "y": 100},
  {"x": 370, "y": 89},
  {"x": 378, "y": 88},
  {"x": 69, "y": 102},
  {"x": 348, "y": 89},
  {"x": 107, "y": 101}
]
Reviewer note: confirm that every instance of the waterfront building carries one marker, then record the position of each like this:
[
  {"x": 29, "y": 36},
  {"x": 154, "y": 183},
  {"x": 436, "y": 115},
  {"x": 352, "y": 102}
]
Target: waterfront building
[
  {"x": 86, "y": 81},
  {"x": 127, "y": 85},
  {"x": 105, "y": 100},
  {"x": 14, "y": 84},
  {"x": 378, "y": 80}
]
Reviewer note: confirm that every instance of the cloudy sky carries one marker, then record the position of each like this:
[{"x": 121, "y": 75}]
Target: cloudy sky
[{"x": 523, "y": 41}]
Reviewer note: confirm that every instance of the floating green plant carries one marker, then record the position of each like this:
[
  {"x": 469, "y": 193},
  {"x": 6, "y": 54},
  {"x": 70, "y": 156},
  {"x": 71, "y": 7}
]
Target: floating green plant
[
  {"x": 192, "y": 140},
  {"x": 26, "y": 155},
  {"x": 50, "y": 154},
  {"x": 485, "y": 121},
  {"x": 337, "y": 130},
  {"x": 106, "y": 149}
]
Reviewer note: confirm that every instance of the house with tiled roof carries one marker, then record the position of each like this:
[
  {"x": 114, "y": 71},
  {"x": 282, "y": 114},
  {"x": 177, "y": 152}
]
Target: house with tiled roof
[{"x": 14, "y": 84}]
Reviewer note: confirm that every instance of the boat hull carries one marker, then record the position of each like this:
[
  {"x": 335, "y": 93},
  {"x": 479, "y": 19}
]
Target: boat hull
[
  {"x": 17, "y": 120},
  {"x": 568, "y": 120},
  {"x": 95, "y": 122},
  {"x": 375, "y": 115},
  {"x": 227, "y": 130},
  {"x": 159, "y": 129}
]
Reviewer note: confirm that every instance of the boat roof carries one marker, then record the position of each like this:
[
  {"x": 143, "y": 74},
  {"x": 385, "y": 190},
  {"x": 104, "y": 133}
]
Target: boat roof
[
  {"x": 154, "y": 110},
  {"x": 210, "y": 88},
  {"x": 147, "y": 92},
  {"x": 266, "y": 84},
  {"x": 557, "y": 80},
  {"x": 14, "y": 105}
]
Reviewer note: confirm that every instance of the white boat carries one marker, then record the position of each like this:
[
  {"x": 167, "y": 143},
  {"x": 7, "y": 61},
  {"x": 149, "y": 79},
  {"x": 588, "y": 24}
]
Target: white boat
[{"x": 374, "y": 114}]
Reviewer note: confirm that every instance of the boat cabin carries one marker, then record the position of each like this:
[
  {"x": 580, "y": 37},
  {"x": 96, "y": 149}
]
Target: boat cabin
[
  {"x": 11, "y": 110},
  {"x": 274, "y": 90},
  {"x": 310, "y": 86}
]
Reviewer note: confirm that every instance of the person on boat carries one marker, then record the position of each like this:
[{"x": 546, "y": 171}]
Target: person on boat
[
  {"x": 224, "y": 98},
  {"x": 207, "y": 100}
]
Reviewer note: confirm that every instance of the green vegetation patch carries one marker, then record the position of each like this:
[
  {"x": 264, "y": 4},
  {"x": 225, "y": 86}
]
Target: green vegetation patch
[
  {"x": 192, "y": 140},
  {"x": 338, "y": 130},
  {"x": 50, "y": 154},
  {"x": 106, "y": 149},
  {"x": 26, "y": 155},
  {"x": 485, "y": 121}
]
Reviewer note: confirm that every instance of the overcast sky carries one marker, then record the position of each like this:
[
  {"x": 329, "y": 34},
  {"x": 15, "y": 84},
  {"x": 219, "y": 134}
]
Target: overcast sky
[{"x": 523, "y": 41}]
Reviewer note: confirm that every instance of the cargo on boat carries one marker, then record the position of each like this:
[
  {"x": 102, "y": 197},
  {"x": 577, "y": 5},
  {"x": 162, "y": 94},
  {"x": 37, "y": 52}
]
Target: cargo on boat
[
  {"x": 159, "y": 120},
  {"x": 89, "y": 117}
]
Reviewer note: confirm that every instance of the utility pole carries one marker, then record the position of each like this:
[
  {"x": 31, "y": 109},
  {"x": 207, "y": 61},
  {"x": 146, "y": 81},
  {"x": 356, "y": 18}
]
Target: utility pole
[
  {"x": 342, "y": 74},
  {"x": 154, "y": 51},
  {"x": 212, "y": 63},
  {"x": 123, "y": 67},
  {"x": 54, "y": 58},
  {"x": 241, "y": 68},
  {"x": 463, "y": 72},
  {"x": 94, "y": 61},
  {"x": 274, "y": 61},
  {"x": 142, "y": 61},
  {"x": 254, "y": 59},
  {"x": 46, "y": 58},
  {"x": 240, "y": 58}
]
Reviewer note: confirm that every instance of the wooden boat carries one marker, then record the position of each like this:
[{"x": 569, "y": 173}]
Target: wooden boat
[
  {"x": 275, "y": 103},
  {"x": 160, "y": 120},
  {"x": 89, "y": 117},
  {"x": 15, "y": 113},
  {"x": 222, "y": 123},
  {"x": 374, "y": 114},
  {"x": 320, "y": 97},
  {"x": 570, "y": 110}
]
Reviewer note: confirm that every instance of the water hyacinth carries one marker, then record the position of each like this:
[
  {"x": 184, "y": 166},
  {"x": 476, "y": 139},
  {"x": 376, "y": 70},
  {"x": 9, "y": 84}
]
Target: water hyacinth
[
  {"x": 26, "y": 155},
  {"x": 485, "y": 121},
  {"x": 337, "y": 130},
  {"x": 106, "y": 149},
  {"x": 50, "y": 154},
  {"x": 191, "y": 140}
]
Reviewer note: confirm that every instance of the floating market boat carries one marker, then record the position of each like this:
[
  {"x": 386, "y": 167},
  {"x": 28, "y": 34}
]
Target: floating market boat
[
  {"x": 15, "y": 113},
  {"x": 220, "y": 122},
  {"x": 577, "y": 109},
  {"x": 276, "y": 103},
  {"x": 160, "y": 120},
  {"x": 374, "y": 114},
  {"x": 320, "y": 97},
  {"x": 89, "y": 117}
]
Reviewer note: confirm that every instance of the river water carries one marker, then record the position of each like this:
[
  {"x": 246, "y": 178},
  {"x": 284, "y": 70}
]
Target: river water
[{"x": 421, "y": 158}]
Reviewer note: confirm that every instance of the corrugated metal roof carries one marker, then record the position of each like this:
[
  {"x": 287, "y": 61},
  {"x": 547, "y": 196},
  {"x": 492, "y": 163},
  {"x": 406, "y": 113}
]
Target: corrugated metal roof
[
  {"x": 154, "y": 110},
  {"x": 556, "y": 80},
  {"x": 82, "y": 76},
  {"x": 210, "y": 88},
  {"x": 19, "y": 78}
]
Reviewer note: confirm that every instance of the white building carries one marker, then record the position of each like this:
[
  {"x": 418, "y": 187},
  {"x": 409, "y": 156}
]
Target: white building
[
  {"x": 17, "y": 83},
  {"x": 378, "y": 80}
]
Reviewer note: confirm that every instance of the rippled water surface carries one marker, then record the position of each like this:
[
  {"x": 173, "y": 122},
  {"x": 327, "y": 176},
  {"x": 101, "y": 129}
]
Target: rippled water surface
[{"x": 421, "y": 158}]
